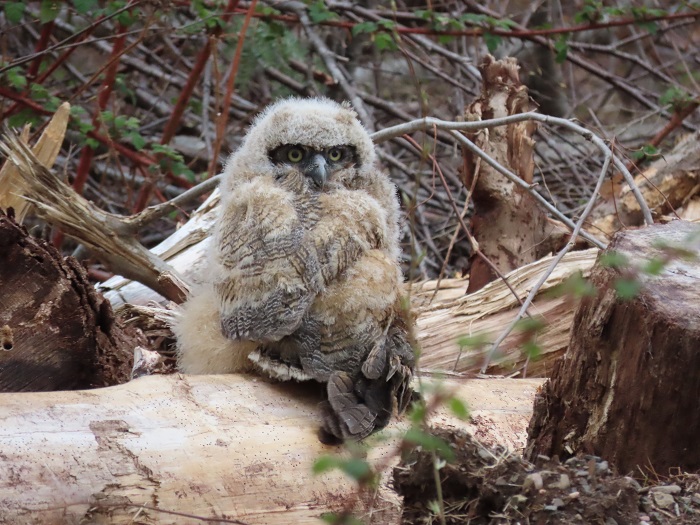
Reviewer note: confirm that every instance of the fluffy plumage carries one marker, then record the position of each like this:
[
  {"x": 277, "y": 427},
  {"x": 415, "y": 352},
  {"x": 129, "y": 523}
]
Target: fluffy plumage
[{"x": 303, "y": 277}]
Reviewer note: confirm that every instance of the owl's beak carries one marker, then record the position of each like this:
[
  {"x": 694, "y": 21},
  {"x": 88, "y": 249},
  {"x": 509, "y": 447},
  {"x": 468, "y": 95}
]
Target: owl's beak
[{"x": 318, "y": 170}]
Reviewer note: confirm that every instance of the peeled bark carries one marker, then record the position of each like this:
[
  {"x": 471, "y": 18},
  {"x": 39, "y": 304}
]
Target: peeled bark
[
  {"x": 228, "y": 447},
  {"x": 510, "y": 227},
  {"x": 628, "y": 387}
]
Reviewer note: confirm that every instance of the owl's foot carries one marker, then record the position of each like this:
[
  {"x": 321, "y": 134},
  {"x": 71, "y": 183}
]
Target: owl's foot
[{"x": 345, "y": 416}]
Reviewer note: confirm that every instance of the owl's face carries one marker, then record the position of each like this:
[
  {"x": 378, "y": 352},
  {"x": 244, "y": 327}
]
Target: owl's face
[{"x": 317, "y": 164}]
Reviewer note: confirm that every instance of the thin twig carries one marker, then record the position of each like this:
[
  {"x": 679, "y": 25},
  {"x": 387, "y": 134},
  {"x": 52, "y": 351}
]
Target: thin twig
[
  {"x": 329, "y": 60},
  {"x": 427, "y": 123}
]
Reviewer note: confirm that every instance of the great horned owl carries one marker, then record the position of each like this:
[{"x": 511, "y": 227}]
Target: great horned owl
[{"x": 303, "y": 280}]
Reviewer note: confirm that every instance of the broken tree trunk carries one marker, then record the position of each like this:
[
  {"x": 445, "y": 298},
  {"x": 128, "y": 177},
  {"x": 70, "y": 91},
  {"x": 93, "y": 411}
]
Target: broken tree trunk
[
  {"x": 58, "y": 333},
  {"x": 628, "y": 386},
  {"x": 511, "y": 228},
  {"x": 228, "y": 447}
]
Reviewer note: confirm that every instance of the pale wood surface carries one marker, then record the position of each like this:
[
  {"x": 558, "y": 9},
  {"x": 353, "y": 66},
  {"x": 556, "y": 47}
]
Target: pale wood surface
[{"x": 219, "y": 446}]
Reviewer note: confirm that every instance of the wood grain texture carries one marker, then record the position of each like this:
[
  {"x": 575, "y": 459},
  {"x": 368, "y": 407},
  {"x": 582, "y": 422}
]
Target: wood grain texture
[{"x": 228, "y": 446}]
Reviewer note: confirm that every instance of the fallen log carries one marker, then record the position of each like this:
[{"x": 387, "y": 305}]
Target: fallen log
[
  {"x": 670, "y": 186},
  {"x": 627, "y": 388},
  {"x": 448, "y": 314},
  {"x": 228, "y": 447}
]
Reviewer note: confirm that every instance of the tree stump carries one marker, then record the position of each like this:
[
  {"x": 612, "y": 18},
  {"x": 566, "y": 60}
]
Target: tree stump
[
  {"x": 56, "y": 332},
  {"x": 628, "y": 387}
]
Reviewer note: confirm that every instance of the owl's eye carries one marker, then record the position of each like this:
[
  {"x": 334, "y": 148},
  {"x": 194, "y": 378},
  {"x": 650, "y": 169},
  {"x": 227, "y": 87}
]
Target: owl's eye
[
  {"x": 295, "y": 155},
  {"x": 335, "y": 154}
]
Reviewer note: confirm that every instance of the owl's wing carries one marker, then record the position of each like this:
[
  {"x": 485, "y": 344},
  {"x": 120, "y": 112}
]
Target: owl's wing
[{"x": 268, "y": 271}]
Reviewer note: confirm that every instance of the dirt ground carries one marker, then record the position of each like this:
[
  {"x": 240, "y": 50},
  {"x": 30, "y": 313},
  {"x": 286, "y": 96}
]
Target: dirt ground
[{"x": 491, "y": 486}]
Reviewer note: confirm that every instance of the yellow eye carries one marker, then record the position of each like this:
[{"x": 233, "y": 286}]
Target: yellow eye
[
  {"x": 295, "y": 155},
  {"x": 335, "y": 154}
]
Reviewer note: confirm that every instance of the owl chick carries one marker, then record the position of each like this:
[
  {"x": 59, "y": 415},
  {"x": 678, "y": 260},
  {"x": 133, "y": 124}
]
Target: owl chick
[{"x": 303, "y": 280}]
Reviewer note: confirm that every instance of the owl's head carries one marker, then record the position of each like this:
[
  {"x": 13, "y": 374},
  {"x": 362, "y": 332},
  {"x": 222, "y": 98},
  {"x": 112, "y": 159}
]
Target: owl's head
[{"x": 319, "y": 137}]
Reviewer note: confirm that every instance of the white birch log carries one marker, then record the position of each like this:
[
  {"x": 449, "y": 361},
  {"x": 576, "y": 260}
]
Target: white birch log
[{"x": 228, "y": 447}]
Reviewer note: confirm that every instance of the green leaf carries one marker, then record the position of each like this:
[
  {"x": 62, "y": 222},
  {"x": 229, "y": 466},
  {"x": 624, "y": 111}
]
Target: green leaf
[
  {"x": 25, "y": 116},
  {"x": 335, "y": 518},
  {"x": 668, "y": 96},
  {"x": 675, "y": 97},
  {"x": 319, "y": 12},
  {"x": 52, "y": 104},
  {"x": 429, "y": 442},
  {"x": 77, "y": 111},
  {"x": 613, "y": 259},
  {"x": 502, "y": 23},
  {"x": 180, "y": 168},
  {"x": 590, "y": 13},
  {"x": 384, "y": 41},
  {"x": 364, "y": 27},
  {"x": 627, "y": 288},
  {"x": 84, "y": 7},
  {"x": 167, "y": 151},
  {"x": 127, "y": 18},
  {"x": 132, "y": 123},
  {"x": 417, "y": 413},
  {"x": 14, "y": 11},
  {"x": 136, "y": 139},
  {"x": 650, "y": 150},
  {"x": 16, "y": 79},
  {"x": 474, "y": 341},
  {"x": 530, "y": 324},
  {"x": 48, "y": 10},
  {"x": 324, "y": 464},
  {"x": 654, "y": 266},
  {"x": 561, "y": 46},
  {"x": 459, "y": 408},
  {"x": 92, "y": 143},
  {"x": 434, "y": 507},
  {"x": 532, "y": 349},
  {"x": 575, "y": 285},
  {"x": 473, "y": 19},
  {"x": 85, "y": 127},
  {"x": 492, "y": 42},
  {"x": 356, "y": 468},
  {"x": 650, "y": 27},
  {"x": 107, "y": 116}
]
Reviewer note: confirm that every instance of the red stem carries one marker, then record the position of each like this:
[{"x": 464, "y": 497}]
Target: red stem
[
  {"x": 105, "y": 92},
  {"x": 223, "y": 116},
  {"x": 492, "y": 31},
  {"x": 33, "y": 68},
  {"x": 193, "y": 78}
]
